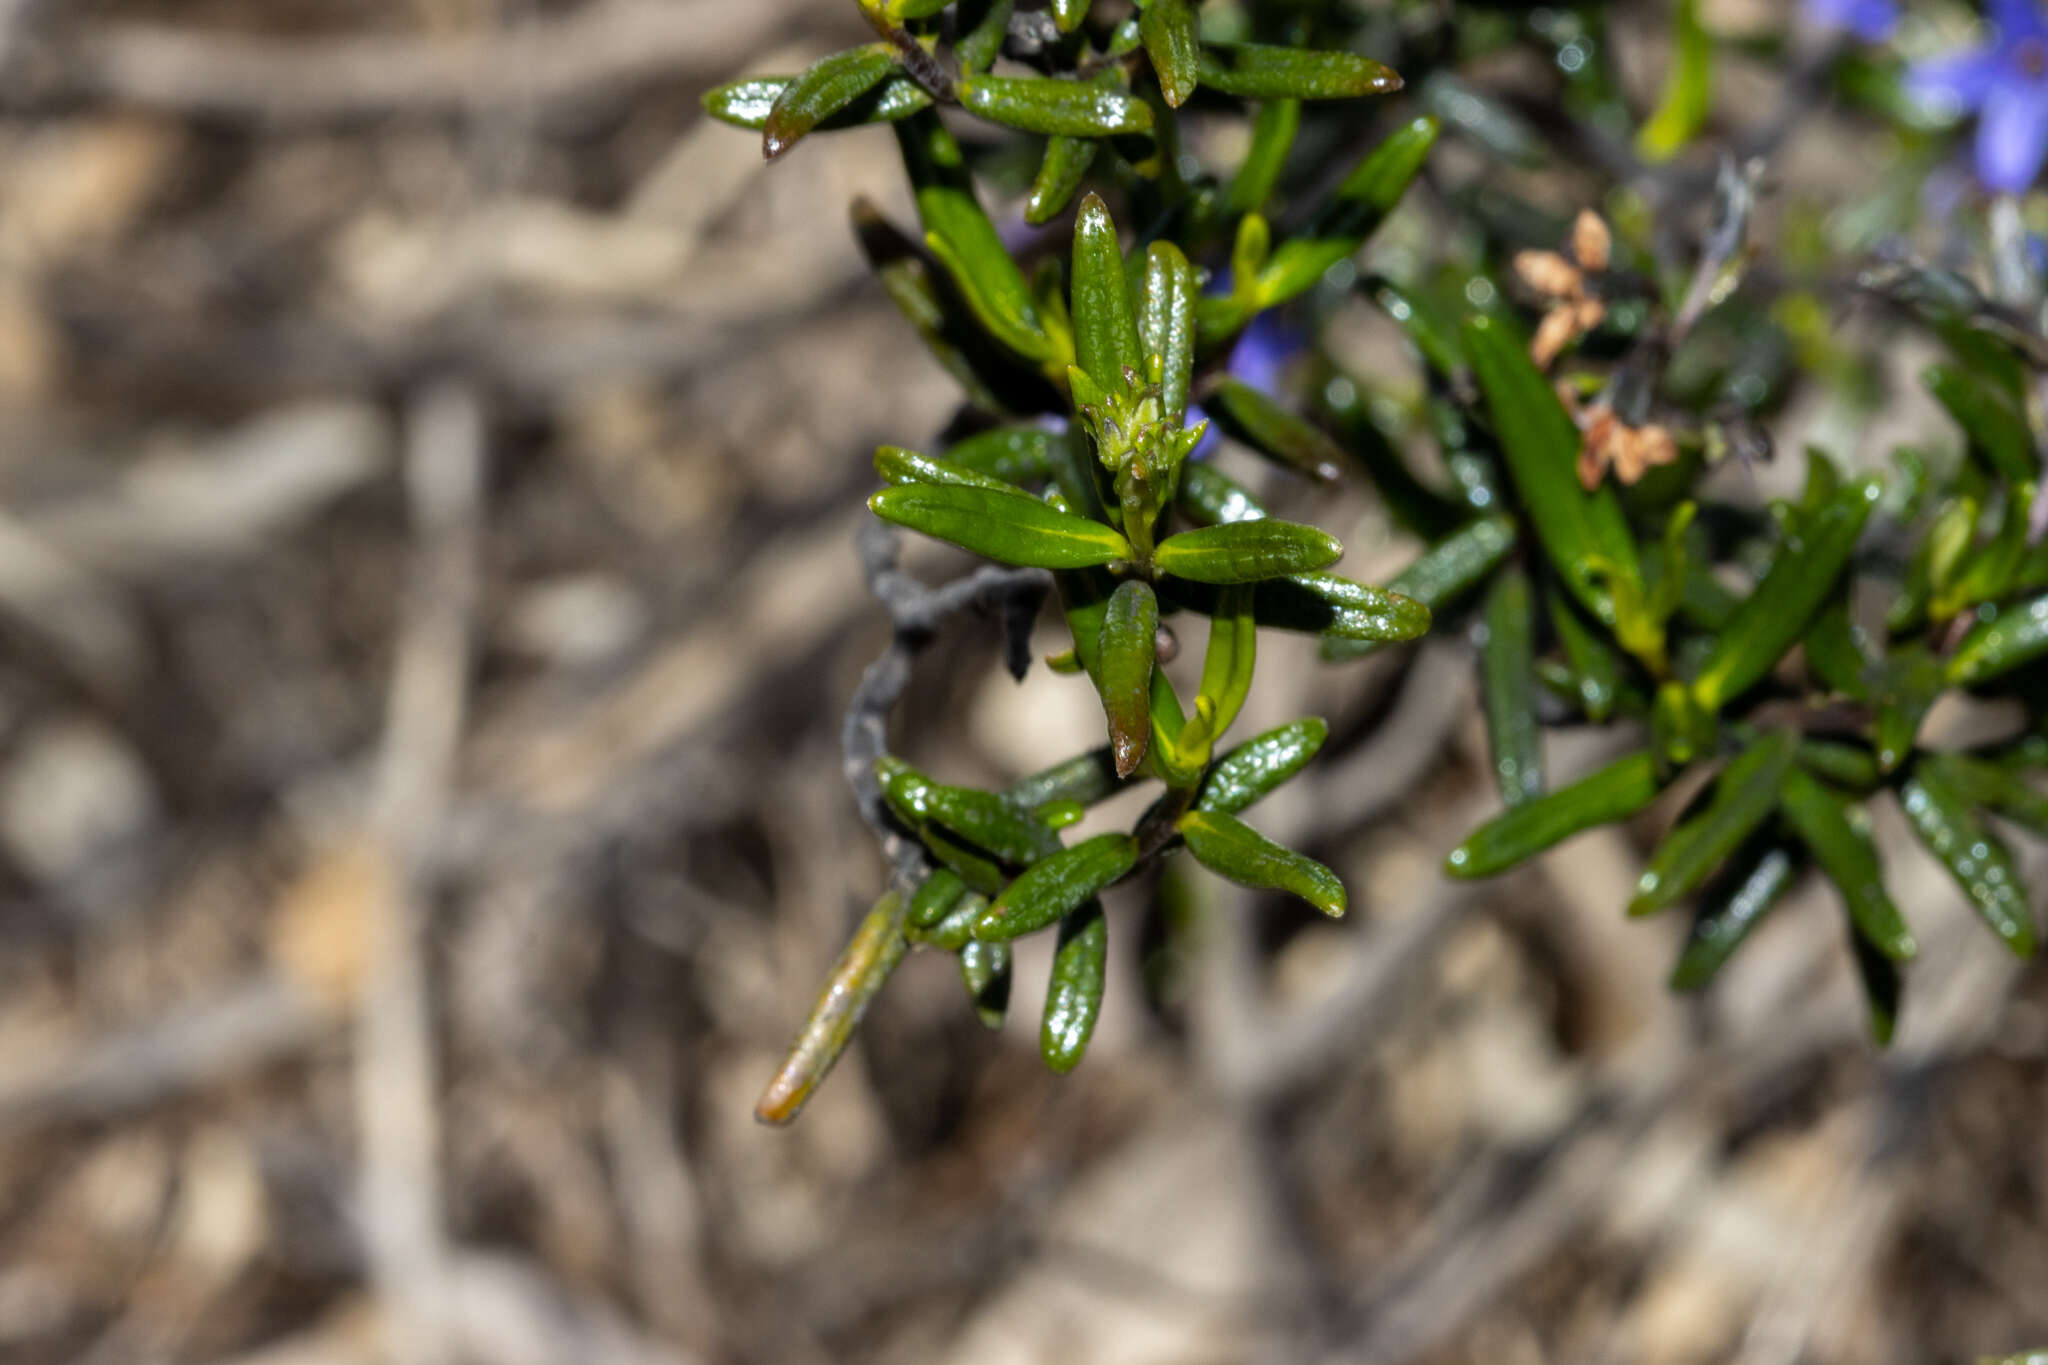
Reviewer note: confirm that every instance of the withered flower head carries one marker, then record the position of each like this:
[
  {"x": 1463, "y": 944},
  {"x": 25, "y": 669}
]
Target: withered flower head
[{"x": 1561, "y": 279}]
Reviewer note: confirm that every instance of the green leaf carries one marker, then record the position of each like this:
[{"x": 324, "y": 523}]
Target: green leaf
[
  {"x": 1209, "y": 497},
  {"x": 1581, "y": 532},
  {"x": 1352, "y": 212},
  {"x": 1802, "y": 577},
  {"x": 1744, "y": 798},
  {"x": 1015, "y": 455},
  {"x": 1227, "y": 846},
  {"x": 899, "y": 466},
  {"x": 1045, "y": 105},
  {"x": 1056, "y": 886},
  {"x": 1260, "y": 72},
  {"x": 747, "y": 104},
  {"x": 826, "y": 88},
  {"x": 1984, "y": 783},
  {"x": 1906, "y": 688},
  {"x": 1822, "y": 821},
  {"x": 1596, "y": 669},
  {"x": 2013, "y": 636},
  {"x": 1272, "y": 138},
  {"x": 1836, "y": 653},
  {"x": 1246, "y": 551},
  {"x": 966, "y": 243},
  {"x": 1850, "y": 766},
  {"x": 873, "y": 952},
  {"x": 1081, "y": 780},
  {"x": 953, "y": 334},
  {"x": 1130, "y": 632},
  {"x": 1443, "y": 573},
  {"x": 1105, "y": 327},
  {"x": 1260, "y": 764},
  {"x": 1068, "y": 14},
  {"x": 1073, "y": 1000},
  {"x": 985, "y": 970},
  {"x": 956, "y": 929},
  {"x": 1339, "y": 610},
  {"x": 1688, "y": 90},
  {"x": 1168, "y": 28},
  {"x": 1882, "y": 987},
  {"x": 1166, "y": 325},
  {"x": 936, "y": 896},
  {"x": 1973, "y": 855},
  {"x": 1507, "y": 667},
  {"x": 989, "y": 822},
  {"x": 981, "y": 37},
  {"x": 1259, "y": 422},
  {"x": 1010, "y": 527},
  {"x": 1996, "y": 427},
  {"x": 1614, "y": 793},
  {"x": 1227, "y": 663},
  {"x": 1734, "y": 905},
  {"x": 1066, "y": 162}
]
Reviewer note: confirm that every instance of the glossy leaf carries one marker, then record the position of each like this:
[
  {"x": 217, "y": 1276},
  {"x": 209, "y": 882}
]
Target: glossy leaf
[
  {"x": 826, "y": 88},
  {"x": 1906, "y": 687},
  {"x": 1246, "y": 551},
  {"x": 1273, "y": 134},
  {"x": 1973, "y": 855},
  {"x": 985, "y": 970},
  {"x": 1260, "y": 72},
  {"x": 982, "y": 34},
  {"x": 1507, "y": 668},
  {"x": 1595, "y": 667},
  {"x": 1731, "y": 908},
  {"x": 1259, "y": 422},
  {"x": 1073, "y": 1000},
  {"x": 955, "y": 930},
  {"x": 899, "y": 466},
  {"x": 989, "y": 822},
  {"x": 1168, "y": 28},
  {"x": 1105, "y": 324},
  {"x": 1056, "y": 886},
  {"x": 1010, "y": 527},
  {"x": 1822, "y": 821},
  {"x": 1045, "y": 105},
  {"x": 873, "y": 952},
  {"x": 1060, "y": 173},
  {"x": 1996, "y": 427},
  {"x": 1614, "y": 793},
  {"x": 1983, "y": 783},
  {"x": 1130, "y": 631},
  {"x": 1341, "y": 611},
  {"x": 1016, "y": 455},
  {"x": 1802, "y": 577},
  {"x": 1081, "y": 780},
  {"x": 747, "y": 104},
  {"x": 935, "y": 898},
  {"x": 1068, "y": 14},
  {"x": 2014, "y": 636},
  {"x": 1209, "y": 497},
  {"x": 1166, "y": 324},
  {"x": 1229, "y": 847},
  {"x": 1227, "y": 663},
  {"x": 1745, "y": 796},
  {"x": 1260, "y": 764},
  {"x": 1442, "y": 574}
]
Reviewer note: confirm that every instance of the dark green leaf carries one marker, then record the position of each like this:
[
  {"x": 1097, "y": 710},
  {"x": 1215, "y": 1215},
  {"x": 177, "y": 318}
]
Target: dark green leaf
[
  {"x": 1802, "y": 577},
  {"x": 1836, "y": 654},
  {"x": 823, "y": 90},
  {"x": 1844, "y": 853},
  {"x": 1015, "y": 455},
  {"x": 1066, "y": 162},
  {"x": 1443, "y": 573},
  {"x": 1983, "y": 783},
  {"x": 1168, "y": 27},
  {"x": 1614, "y": 793},
  {"x": 1596, "y": 669},
  {"x": 1056, "y": 886},
  {"x": 1105, "y": 326},
  {"x": 1009, "y": 527},
  {"x": 2015, "y": 635},
  {"x": 985, "y": 971},
  {"x": 1341, "y": 611},
  {"x": 1044, "y": 105},
  {"x": 1259, "y": 72},
  {"x": 989, "y": 822},
  {"x": 1996, "y": 427},
  {"x": 1850, "y": 766},
  {"x": 1228, "y": 661},
  {"x": 1882, "y": 987},
  {"x": 1907, "y": 686},
  {"x": 956, "y": 929},
  {"x": 1507, "y": 667},
  {"x": 1734, "y": 905},
  {"x": 1209, "y": 497},
  {"x": 1227, "y": 846},
  {"x": 981, "y": 35},
  {"x": 1130, "y": 631},
  {"x": 936, "y": 896},
  {"x": 1272, "y": 137},
  {"x": 1166, "y": 323},
  {"x": 1084, "y": 779},
  {"x": 1246, "y": 551},
  {"x": 1260, "y": 764},
  {"x": 1073, "y": 1000},
  {"x": 899, "y": 466},
  {"x": 1744, "y": 798},
  {"x": 746, "y": 104},
  {"x": 1973, "y": 855},
  {"x": 1272, "y": 431}
]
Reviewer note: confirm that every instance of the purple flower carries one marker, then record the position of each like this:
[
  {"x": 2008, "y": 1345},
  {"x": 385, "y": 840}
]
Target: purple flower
[
  {"x": 1259, "y": 360},
  {"x": 1870, "y": 20},
  {"x": 2005, "y": 83}
]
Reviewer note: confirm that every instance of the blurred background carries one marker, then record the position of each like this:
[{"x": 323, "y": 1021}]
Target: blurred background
[{"x": 430, "y": 454}]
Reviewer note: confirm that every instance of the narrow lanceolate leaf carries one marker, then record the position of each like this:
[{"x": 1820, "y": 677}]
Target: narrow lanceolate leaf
[
  {"x": 1443, "y": 573},
  {"x": 1802, "y": 577},
  {"x": 747, "y": 104},
  {"x": 824, "y": 90},
  {"x": 1744, "y": 798},
  {"x": 1056, "y": 886},
  {"x": 899, "y": 466},
  {"x": 1882, "y": 987},
  {"x": 1073, "y": 1000},
  {"x": 1272, "y": 431},
  {"x": 1044, "y": 105},
  {"x": 982, "y": 26},
  {"x": 2016, "y": 635},
  {"x": 1105, "y": 325},
  {"x": 1996, "y": 427},
  {"x": 1596, "y": 669},
  {"x": 1822, "y": 821},
  {"x": 1060, "y": 172},
  {"x": 1082, "y": 780},
  {"x": 1209, "y": 497},
  {"x": 1130, "y": 633},
  {"x": 1260, "y": 72},
  {"x": 1009, "y": 527},
  {"x": 1973, "y": 855},
  {"x": 936, "y": 896},
  {"x": 1017, "y": 454},
  {"x": 989, "y": 822},
  {"x": 1507, "y": 666},
  {"x": 1260, "y": 764},
  {"x": 1227, "y": 663},
  {"x": 1168, "y": 28},
  {"x": 1339, "y": 610},
  {"x": 864, "y": 964},
  {"x": 1688, "y": 90},
  {"x": 1229, "y": 847},
  {"x": 1272, "y": 138},
  {"x": 1906, "y": 687},
  {"x": 1733, "y": 906},
  {"x": 985, "y": 970},
  {"x": 1984, "y": 783},
  {"x": 1580, "y": 531},
  {"x": 1849, "y": 766},
  {"x": 1246, "y": 551},
  {"x": 1354, "y": 209},
  {"x": 1166, "y": 324},
  {"x": 1614, "y": 793},
  {"x": 954, "y": 336},
  {"x": 959, "y": 233}
]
